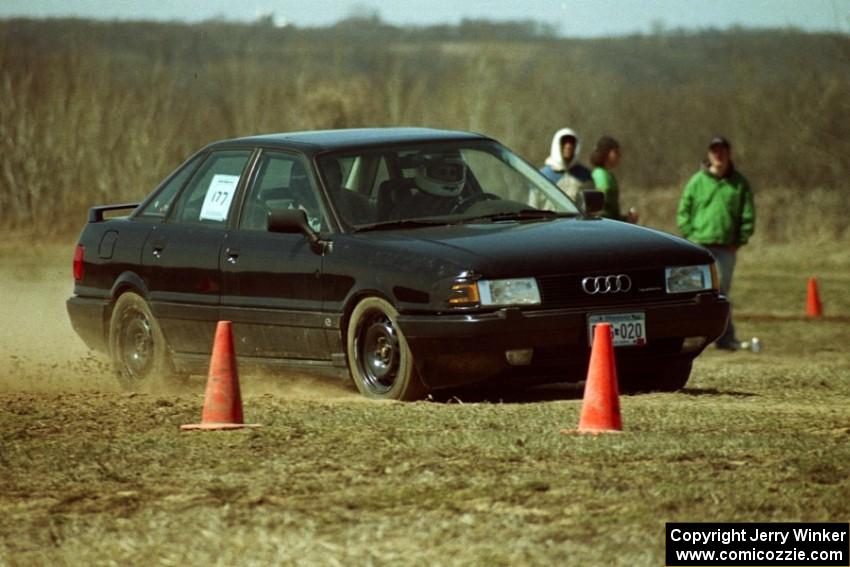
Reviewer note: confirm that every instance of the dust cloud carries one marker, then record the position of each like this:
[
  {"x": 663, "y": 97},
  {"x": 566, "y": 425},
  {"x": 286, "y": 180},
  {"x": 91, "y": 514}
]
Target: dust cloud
[{"x": 40, "y": 352}]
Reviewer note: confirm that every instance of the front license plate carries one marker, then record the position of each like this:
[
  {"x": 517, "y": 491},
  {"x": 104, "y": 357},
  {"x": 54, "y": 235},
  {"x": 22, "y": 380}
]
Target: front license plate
[{"x": 628, "y": 329}]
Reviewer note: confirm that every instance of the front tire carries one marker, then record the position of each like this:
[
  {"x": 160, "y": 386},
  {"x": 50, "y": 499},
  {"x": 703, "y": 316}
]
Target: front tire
[
  {"x": 379, "y": 359},
  {"x": 137, "y": 347}
]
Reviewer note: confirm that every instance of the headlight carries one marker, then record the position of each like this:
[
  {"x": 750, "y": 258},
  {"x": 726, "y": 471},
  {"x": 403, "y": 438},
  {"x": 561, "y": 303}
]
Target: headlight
[
  {"x": 684, "y": 279},
  {"x": 490, "y": 293},
  {"x": 521, "y": 291}
]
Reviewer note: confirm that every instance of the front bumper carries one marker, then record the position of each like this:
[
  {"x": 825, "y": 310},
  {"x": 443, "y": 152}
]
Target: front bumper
[
  {"x": 88, "y": 318},
  {"x": 455, "y": 350}
]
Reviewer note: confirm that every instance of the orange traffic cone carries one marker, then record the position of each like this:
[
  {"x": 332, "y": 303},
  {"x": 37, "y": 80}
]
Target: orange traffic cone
[
  {"x": 222, "y": 401},
  {"x": 813, "y": 305},
  {"x": 600, "y": 410}
]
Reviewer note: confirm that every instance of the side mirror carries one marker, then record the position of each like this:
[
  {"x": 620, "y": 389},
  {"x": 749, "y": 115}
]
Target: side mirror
[
  {"x": 291, "y": 221},
  {"x": 594, "y": 201}
]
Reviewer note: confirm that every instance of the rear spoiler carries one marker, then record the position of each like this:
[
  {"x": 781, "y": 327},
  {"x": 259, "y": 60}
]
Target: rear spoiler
[{"x": 96, "y": 213}]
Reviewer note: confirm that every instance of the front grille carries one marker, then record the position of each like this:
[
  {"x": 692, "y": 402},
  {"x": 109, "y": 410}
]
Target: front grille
[{"x": 565, "y": 290}]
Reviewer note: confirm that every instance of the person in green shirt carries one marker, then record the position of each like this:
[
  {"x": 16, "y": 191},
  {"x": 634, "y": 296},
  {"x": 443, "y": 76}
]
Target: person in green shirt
[
  {"x": 717, "y": 211},
  {"x": 606, "y": 157}
]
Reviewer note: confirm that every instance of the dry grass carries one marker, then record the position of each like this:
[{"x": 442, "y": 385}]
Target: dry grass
[
  {"x": 92, "y": 475},
  {"x": 100, "y": 113}
]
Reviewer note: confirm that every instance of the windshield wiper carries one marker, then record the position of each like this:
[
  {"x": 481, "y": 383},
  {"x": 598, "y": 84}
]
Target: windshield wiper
[
  {"x": 524, "y": 214},
  {"x": 403, "y": 223}
]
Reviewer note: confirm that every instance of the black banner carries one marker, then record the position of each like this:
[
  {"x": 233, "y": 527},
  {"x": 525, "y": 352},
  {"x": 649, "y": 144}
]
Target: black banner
[{"x": 758, "y": 544}]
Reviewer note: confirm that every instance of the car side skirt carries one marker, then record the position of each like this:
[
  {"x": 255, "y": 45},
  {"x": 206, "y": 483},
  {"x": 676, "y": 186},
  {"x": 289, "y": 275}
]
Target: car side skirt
[{"x": 198, "y": 364}]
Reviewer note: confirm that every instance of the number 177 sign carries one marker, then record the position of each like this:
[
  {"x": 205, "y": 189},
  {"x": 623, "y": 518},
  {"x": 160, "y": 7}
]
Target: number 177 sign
[{"x": 219, "y": 196}]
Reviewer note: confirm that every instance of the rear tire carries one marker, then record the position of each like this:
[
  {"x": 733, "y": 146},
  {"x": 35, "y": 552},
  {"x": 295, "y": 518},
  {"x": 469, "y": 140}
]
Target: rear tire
[
  {"x": 379, "y": 359},
  {"x": 137, "y": 348}
]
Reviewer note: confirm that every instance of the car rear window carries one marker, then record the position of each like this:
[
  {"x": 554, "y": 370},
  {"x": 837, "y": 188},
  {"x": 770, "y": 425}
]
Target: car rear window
[{"x": 159, "y": 206}]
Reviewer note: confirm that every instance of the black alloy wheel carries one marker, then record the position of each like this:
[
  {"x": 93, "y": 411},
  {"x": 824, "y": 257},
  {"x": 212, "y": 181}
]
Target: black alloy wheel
[
  {"x": 379, "y": 359},
  {"x": 137, "y": 347},
  {"x": 135, "y": 344}
]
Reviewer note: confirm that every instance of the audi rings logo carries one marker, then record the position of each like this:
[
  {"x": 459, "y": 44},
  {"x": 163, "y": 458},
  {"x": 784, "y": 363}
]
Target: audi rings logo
[{"x": 620, "y": 283}]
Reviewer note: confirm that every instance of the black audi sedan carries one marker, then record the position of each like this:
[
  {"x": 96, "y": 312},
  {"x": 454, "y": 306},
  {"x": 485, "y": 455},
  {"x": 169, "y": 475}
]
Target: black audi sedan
[{"x": 409, "y": 259}]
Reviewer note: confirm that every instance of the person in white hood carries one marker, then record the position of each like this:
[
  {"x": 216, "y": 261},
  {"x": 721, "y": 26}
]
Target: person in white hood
[{"x": 562, "y": 167}]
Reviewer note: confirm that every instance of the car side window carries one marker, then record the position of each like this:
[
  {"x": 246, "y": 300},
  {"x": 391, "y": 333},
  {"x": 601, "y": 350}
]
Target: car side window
[
  {"x": 209, "y": 194},
  {"x": 282, "y": 182},
  {"x": 159, "y": 206}
]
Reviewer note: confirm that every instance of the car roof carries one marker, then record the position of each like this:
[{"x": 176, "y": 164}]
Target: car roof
[{"x": 317, "y": 141}]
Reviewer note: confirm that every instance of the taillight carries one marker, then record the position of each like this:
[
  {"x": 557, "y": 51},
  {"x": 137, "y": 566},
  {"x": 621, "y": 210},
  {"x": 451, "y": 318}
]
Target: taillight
[{"x": 78, "y": 262}]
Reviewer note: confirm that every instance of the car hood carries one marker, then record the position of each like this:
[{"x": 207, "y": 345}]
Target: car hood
[{"x": 505, "y": 249}]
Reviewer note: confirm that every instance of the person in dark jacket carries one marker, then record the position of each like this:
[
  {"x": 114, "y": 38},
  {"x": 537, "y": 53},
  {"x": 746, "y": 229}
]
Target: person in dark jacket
[{"x": 717, "y": 211}]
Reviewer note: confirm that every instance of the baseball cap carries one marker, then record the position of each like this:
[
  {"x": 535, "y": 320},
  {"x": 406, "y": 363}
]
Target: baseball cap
[{"x": 719, "y": 141}]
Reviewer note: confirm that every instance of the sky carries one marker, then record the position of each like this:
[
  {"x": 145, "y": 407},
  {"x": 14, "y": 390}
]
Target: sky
[{"x": 572, "y": 18}]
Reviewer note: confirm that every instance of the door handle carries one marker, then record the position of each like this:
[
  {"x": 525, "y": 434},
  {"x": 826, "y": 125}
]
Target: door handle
[
  {"x": 158, "y": 247},
  {"x": 232, "y": 255}
]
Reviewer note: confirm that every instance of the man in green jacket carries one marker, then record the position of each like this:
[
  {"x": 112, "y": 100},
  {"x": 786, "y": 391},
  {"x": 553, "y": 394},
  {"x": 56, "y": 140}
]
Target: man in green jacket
[{"x": 717, "y": 211}]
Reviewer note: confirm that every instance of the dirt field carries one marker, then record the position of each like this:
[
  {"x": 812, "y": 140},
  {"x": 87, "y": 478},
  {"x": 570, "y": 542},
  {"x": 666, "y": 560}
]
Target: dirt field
[{"x": 90, "y": 474}]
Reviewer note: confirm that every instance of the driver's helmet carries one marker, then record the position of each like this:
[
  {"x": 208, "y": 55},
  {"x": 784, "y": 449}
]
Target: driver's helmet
[{"x": 442, "y": 175}]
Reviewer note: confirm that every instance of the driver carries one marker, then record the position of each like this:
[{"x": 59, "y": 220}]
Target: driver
[{"x": 439, "y": 181}]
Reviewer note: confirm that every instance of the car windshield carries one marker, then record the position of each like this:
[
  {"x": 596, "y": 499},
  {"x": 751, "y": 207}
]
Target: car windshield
[{"x": 427, "y": 184}]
